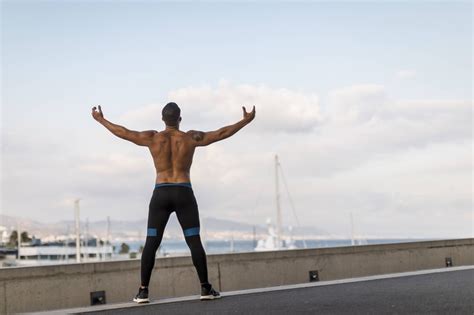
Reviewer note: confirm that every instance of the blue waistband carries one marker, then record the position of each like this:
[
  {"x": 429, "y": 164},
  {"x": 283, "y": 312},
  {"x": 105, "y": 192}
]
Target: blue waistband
[{"x": 173, "y": 184}]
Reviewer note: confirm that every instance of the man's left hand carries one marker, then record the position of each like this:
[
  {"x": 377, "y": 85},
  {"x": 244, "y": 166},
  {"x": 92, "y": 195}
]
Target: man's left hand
[{"x": 98, "y": 115}]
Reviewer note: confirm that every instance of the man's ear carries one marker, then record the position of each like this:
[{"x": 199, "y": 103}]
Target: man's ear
[{"x": 179, "y": 119}]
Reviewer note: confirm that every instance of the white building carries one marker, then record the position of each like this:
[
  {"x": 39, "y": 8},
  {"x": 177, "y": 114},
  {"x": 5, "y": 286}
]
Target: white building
[{"x": 4, "y": 235}]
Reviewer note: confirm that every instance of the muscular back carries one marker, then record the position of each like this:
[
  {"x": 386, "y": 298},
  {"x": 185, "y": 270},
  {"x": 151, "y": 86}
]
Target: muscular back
[{"x": 172, "y": 152}]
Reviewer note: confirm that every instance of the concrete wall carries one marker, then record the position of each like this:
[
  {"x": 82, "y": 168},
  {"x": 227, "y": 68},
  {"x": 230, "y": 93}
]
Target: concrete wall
[{"x": 28, "y": 289}]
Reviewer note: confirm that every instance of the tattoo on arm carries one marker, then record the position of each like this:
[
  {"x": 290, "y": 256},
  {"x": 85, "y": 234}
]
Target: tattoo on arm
[{"x": 198, "y": 135}]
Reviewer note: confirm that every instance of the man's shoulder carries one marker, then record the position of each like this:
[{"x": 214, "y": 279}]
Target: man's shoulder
[
  {"x": 191, "y": 134},
  {"x": 195, "y": 134},
  {"x": 169, "y": 133}
]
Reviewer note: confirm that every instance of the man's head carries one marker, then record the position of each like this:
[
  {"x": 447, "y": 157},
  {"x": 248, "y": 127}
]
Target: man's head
[{"x": 171, "y": 114}]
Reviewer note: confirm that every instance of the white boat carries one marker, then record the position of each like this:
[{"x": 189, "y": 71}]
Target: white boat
[
  {"x": 271, "y": 240},
  {"x": 63, "y": 252},
  {"x": 274, "y": 238}
]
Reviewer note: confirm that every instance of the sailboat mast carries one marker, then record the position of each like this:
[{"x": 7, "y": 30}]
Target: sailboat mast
[
  {"x": 78, "y": 231},
  {"x": 107, "y": 240},
  {"x": 277, "y": 191},
  {"x": 352, "y": 231}
]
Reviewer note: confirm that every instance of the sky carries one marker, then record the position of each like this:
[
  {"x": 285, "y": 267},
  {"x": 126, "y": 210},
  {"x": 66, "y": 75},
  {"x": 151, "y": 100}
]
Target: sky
[{"x": 367, "y": 104}]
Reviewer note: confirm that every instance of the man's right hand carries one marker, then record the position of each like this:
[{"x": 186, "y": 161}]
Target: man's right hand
[
  {"x": 98, "y": 115},
  {"x": 248, "y": 117}
]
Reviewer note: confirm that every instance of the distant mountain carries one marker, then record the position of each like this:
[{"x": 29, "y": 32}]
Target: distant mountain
[{"x": 119, "y": 229}]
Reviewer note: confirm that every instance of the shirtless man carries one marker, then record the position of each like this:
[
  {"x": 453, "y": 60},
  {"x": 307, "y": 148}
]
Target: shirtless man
[{"x": 172, "y": 151}]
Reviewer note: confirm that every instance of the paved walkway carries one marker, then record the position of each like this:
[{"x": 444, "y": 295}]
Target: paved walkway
[{"x": 447, "y": 291}]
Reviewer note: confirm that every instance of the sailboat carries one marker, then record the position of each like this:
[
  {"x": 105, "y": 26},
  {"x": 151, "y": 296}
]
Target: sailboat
[
  {"x": 356, "y": 239},
  {"x": 271, "y": 240},
  {"x": 274, "y": 238}
]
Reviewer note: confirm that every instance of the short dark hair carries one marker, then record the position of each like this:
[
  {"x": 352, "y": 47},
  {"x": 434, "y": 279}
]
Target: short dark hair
[{"x": 171, "y": 114}]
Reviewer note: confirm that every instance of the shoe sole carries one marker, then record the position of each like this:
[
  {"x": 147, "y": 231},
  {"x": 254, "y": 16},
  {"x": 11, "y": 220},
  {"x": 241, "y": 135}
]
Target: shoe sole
[
  {"x": 209, "y": 297},
  {"x": 139, "y": 301}
]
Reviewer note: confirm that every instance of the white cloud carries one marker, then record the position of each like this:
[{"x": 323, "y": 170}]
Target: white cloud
[
  {"x": 278, "y": 110},
  {"x": 356, "y": 103},
  {"x": 114, "y": 164},
  {"x": 406, "y": 74}
]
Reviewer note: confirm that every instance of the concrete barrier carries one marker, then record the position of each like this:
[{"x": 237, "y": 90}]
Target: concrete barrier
[{"x": 27, "y": 289}]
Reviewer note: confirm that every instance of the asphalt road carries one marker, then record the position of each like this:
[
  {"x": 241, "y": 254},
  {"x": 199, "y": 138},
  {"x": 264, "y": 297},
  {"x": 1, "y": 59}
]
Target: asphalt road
[{"x": 437, "y": 293}]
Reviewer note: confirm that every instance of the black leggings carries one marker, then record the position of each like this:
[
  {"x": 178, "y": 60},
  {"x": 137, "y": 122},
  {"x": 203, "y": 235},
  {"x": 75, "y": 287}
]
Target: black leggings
[{"x": 166, "y": 199}]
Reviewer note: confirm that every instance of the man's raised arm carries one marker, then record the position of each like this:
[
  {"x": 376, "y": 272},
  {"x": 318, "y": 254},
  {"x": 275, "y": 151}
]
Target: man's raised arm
[
  {"x": 143, "y": 138},
  {"x": 206, "y": 138}
]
